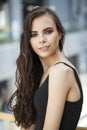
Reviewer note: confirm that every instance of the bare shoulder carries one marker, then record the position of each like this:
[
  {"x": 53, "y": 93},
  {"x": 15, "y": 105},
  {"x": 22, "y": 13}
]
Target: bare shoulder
[
  {"x": 60, "y": 78},
  {"x": 60, "y": 71}
]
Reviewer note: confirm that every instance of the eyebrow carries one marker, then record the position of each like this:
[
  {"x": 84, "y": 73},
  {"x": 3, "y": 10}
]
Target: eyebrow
[{"x": 43, "y": 29}]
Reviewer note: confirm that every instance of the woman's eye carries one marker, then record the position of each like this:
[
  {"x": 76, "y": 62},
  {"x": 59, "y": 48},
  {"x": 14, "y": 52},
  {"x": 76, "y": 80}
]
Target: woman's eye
[
  {"x": 48, "y": 31},
  {"x": 33, "y": 35}
]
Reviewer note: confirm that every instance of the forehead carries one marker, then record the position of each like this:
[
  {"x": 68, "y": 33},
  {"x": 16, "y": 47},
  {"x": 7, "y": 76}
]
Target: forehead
[{"x": 42, "y": 22}]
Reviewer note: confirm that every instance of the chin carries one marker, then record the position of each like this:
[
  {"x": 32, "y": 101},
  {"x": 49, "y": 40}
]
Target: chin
[{"x": 45, "y": 55}]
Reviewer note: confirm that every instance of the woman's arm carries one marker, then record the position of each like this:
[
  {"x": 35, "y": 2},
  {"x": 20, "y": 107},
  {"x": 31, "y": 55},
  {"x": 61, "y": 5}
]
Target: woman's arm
[{"x": 59, "y": 78}]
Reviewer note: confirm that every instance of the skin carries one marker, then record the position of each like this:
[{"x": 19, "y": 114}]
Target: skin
[
  {"x": 45, "y": 40},
  {"x": 62, "y": 84}
]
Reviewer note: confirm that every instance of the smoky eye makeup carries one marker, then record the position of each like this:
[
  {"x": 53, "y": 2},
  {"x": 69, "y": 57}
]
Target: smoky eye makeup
[
  {"x": 33, "y": 34},
  {"x": 48, "y": 30}
]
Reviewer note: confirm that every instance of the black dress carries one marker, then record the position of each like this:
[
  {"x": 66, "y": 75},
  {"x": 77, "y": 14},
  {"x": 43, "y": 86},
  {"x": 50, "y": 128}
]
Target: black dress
[{"x": 72, "y": 110}]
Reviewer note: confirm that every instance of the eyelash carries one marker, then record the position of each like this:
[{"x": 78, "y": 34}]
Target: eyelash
[
  {"x": 47, "y": 32},
  {"x": 33, "y": 35}
]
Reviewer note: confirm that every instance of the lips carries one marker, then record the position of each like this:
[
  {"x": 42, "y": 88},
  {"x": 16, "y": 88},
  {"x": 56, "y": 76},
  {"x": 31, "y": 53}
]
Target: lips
[{"x": 44, "y": 48}]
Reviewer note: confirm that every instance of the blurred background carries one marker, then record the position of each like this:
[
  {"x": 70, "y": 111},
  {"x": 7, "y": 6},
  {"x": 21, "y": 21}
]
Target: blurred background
[{"x": 73, "y": 15}]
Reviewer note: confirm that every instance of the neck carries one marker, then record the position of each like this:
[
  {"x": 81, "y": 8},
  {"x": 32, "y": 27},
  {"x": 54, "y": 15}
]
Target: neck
[{"x": 50, "y": 61}]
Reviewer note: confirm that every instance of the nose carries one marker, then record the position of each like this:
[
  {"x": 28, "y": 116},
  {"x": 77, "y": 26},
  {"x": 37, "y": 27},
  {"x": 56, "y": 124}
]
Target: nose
[{"x": 42, "y": 39}]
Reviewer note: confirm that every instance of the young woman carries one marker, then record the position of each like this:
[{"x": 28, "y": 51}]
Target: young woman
[{"x": 49, "y": 94}]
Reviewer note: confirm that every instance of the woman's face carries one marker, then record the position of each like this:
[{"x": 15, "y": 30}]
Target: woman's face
[{"x": 44, "y": 36}]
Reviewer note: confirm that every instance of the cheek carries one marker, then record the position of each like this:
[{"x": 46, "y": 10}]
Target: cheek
[
  {"x": 54, "y": 39},
  {"x": 32, "y": 42},
  {"x": 33, "y": 45}
]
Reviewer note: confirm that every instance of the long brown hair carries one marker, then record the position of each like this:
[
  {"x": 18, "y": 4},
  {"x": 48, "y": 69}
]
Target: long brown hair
[{"x": 29, "y": 70}]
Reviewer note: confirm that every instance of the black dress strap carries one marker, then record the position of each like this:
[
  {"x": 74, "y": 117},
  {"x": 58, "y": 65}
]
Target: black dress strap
[{"x": 65, "y": 64}]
